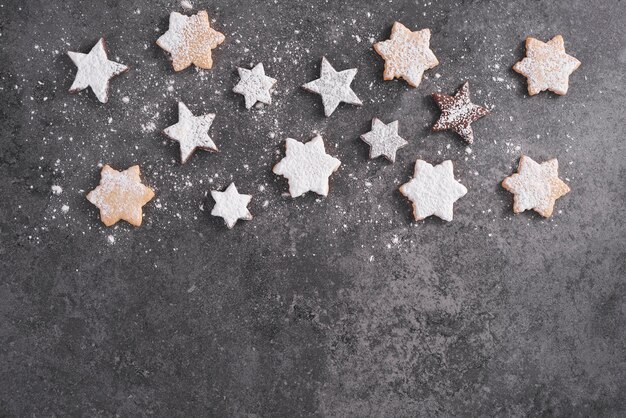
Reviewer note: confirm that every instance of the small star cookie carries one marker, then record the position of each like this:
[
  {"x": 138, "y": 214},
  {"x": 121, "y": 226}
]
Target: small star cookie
[
  {"x": 407, "y": 54},
  {"x": 307, "y": 167},
  {"x": 190, "y": 39},
  {"x": 120, "y": 195},
  {"x": 334, "y": 87},
  {"x": 546, "y": 66},
  {"x": 95, "y": 71},
  {"x": 254, "y": 85},
  {"x": 231, "y": 205},
  {"x": 383, "y": 140},
  {"x": 458, "y": 113},
  {"x": 433, "y": 190},
  {"x": 536, "y": 186},
  {"x": 191, "y": 132}
]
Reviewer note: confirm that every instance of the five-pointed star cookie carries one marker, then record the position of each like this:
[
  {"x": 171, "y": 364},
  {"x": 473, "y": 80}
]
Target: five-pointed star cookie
[
  {"x": 120, "y": 195},
  {"x": 458, "y": 113},
  {"x": 231, "y": 205},
  {"x": 307, "y": 167},
  {"x": 546, "y": 66},
  {"x": 254, "y": 85},
  {"x": 191, "y": 132},
  {"x": 190, "y": 39},
  {"x": 95, "y": 70},
  {"x": 536, "y": 186},
  {"x": 433, "y": 190},
  {"x": 384, "y": 140},
  {"x": 334, "y": 87},
  {"x": 407, "y": 54}
]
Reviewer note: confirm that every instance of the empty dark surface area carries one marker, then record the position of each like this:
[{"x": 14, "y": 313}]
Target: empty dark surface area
[{"x": 339, "y": 306}]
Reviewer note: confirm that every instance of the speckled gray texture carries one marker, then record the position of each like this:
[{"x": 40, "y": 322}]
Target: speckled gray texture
[{"x": 337, "y": 306}]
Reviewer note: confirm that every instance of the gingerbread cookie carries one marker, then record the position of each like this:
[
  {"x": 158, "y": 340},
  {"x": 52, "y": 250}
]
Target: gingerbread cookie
[
  {"x": 334, "y": 87},
  {"x": 383, "y": 140},
  {"x": 190, "y": 40},
  {"x": 191, "y": 132},
  {"x": 458, "y": 113},
  {"x": 254, "y": 85},
  {"x": 120, "y": 195},
  {"x": 231, "y": 205},
  {"x": 536, "y": 186}
]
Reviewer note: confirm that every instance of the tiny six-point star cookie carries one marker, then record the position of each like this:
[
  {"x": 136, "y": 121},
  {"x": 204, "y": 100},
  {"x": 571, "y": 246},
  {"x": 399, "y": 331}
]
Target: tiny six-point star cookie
[
  {"x": 254, "y": 85},
  {"x": 546, "y": 66},
  {"x": 384, "y": 140},
  {"x": 536, "y": 186},
  {"x": 95, "y": 71},
  {"x": 407, "y": 54},
  {"x": 231, "y": 205},
  {"x": 433, "y": 190},
  {"x": 190, "y": 39},
  {"x": 191, "y": 132},
  {"x": 458, "y": 113},
  {"x": 334, "y": 87},
  {"x": 307, "y": 167},
  {"x": 120, "y": 195}
]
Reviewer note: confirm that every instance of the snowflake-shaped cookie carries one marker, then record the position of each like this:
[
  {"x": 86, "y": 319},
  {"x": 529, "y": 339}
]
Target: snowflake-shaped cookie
[
  {"x": 231, "y": 205},
  {"x": 384, "y": 140}
]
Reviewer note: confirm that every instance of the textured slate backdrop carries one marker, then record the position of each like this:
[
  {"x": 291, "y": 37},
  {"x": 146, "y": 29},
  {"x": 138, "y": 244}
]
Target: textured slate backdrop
[{"x": 318, "y": 307}]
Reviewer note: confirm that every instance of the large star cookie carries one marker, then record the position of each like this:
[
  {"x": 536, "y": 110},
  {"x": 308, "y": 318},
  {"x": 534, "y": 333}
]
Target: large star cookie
[
  {"x": 307, "y": 167},
  {"x": 254, "y": 85},
  {"x": 120, "y": 195},
  {"x": 536, "y": 186},
  {"x": 95, "y": 71},
  {"x": 190, "y": 39},
  {"x": 546, "y": 66},
  {"x": 458, "y": 113},
  {"x": 334, "y": 87},
  {"x": 192, "y": 132},
  {"x": 384, "y": 139},
  {"x": 433, "y": 190},
  {"x": 231, "y": 205},
  {"x": 407, "y": 54}
]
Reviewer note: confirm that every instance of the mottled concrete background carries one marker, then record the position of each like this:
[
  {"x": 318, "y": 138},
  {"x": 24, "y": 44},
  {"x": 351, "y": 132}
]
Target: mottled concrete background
[{"x": 337, "y": 306}]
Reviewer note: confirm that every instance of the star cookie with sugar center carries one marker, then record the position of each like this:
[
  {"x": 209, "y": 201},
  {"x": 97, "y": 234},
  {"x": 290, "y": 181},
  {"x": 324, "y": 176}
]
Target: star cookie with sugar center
[
  {"x": 307, "y": 167},
  {"x": 407, "y": 54},
  {"x": 95, "y": 70},
  {"x": 231, "y": 205},
  {"x": 546, "y": 66},
  {"x": 334, "y": 87},
  {"x": 192, "y": 132},
  {"x": 458, "y": 113},
  {"x": 536, "y": 186},
  {"x": 384, "y": 140},
  {"x": 433, "y": 190},
  {"x": 254, "y": 85}
]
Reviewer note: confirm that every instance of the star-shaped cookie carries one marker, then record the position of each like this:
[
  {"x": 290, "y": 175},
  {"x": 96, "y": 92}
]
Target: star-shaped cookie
[
  {"x": 334, "y": 87},
  {"x": 120, "y": 195},
  {"x": 190, "y": 39},
  {"x": 191, "y": 132},
  {"x": 231, "y": 205},
  {"x": 254, "y": 85},
  {"x": 433, "y": 190},
  {"x": 546, "y": 66},
  {"x": 407, "y": 54},
  {"x": 383, "y": 140},
  {"x": 307, "y": 167},
  {"x": 458, "y": 113},
  {"x": 536, "y": 186},
  {"x": 95, "y": 71}
]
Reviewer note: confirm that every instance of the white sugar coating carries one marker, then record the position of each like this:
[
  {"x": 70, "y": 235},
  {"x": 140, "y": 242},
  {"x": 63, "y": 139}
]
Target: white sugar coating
[
  {"x": 383, "y": 139},
  {"x": 191, "y": 132},
  {"x": 254, "y": 85},
  {"x": 56, "y": 189},
  {"x": 231, "y": 205}
]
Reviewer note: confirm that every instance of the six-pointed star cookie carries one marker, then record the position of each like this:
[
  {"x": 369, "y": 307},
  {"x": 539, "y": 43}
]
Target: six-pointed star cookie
[
  {"x": 546, "y": 66},
  {"x": 120, "y": 195},
  {"x": 407, "y": 54},
  {"x": 190, "y": 39},
  {"x": 191, "y": 132},
  {"x": 536, "y": 186},
  {"x": 458, "y": 113},
  {"x": 254, "y": 85},
  {"x": 433, "y": 190},
  {"x": 384, "y": 140},
  {"x": 95, "y": 70},
  {"x": 307, "y": 167},
  {"x": 334, "y": 87},
  {"x": 231, "y": 205}
]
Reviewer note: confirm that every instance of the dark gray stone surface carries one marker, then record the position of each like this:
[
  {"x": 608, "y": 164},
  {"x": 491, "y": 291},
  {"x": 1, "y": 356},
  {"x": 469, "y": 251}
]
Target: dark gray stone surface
[{"x": 339, "y": 306}]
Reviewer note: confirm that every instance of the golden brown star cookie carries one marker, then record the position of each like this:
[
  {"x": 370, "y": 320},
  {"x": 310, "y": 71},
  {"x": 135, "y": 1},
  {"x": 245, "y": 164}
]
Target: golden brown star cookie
[{"x": 458, "y": 113}]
